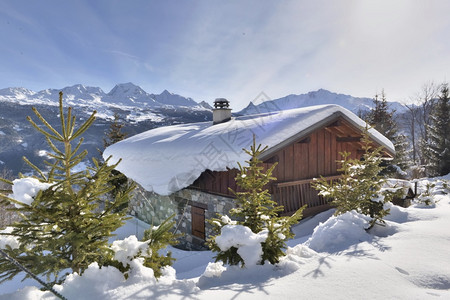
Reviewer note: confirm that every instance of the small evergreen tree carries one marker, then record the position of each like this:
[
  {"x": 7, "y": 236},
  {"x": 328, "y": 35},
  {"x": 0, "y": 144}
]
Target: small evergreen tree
[
  {"x": 383, "y": 120},
  {"x": 438, "y": 144},
  {"x": 402, "y": 160},
  {"x": 66, "y": 226},
  {"x": 120, "y": 182},
  {"x": 158, "y": 238},
  {"x": 257, "y": 211},
  {"x": 155, "y": 239},
  {"x": 359, "y": 188},
  {"x": 114, "y": 133}
]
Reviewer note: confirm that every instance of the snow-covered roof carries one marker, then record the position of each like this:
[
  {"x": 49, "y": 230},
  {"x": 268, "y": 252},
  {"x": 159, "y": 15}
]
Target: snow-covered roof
[{"x": 167, "y": 159}]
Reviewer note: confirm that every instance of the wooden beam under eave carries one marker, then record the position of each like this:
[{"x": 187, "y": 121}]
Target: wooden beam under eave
[
  {"x": 334, "y": 124},
  {"x": 349, "y": 139},
  {"x": 337, "y": 130},
  {"x": 306, "y": 140}
]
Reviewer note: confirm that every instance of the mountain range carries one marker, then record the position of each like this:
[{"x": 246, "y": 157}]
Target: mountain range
[
  {"x": 321, "y": 96},
  {"x": 136, "y": 109},
  {"x": 125, "y": 96}
]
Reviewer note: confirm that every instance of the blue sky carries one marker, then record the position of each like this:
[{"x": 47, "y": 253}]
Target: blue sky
[{"x": 232, "y": 49}]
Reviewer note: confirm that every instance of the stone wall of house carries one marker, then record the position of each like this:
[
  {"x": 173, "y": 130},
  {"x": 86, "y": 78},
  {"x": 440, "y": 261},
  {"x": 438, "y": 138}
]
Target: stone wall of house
[
  {"x": 150, "y": 207},
  {"x": 153, "y": 209}
]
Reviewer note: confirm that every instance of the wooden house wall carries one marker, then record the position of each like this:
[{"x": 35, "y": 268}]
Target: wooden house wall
[
  {"x": 217, "y": 182},
  {"x": 220, "y": 182},
  {"x": 316, "y": 155},
  {"x": 308, "y": 158}
]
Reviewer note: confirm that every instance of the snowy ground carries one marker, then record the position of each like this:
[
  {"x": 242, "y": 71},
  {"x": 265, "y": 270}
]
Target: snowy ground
[{"x": 331, "y": 258}]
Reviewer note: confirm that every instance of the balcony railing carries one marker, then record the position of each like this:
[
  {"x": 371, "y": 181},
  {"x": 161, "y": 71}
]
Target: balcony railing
[{"x": 294, "y": 194}]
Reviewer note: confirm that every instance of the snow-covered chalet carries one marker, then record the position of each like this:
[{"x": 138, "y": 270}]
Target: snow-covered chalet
[{"x": 187, "y": 169}]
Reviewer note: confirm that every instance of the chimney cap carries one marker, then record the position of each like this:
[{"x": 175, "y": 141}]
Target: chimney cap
[{"x": 221, "y": 103}]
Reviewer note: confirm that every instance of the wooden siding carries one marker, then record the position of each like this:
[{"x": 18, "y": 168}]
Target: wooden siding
[
  {"x": 318, "y": 156},
  {"x": 217, "y": 182},
  {"x": 220, "y": 182}
]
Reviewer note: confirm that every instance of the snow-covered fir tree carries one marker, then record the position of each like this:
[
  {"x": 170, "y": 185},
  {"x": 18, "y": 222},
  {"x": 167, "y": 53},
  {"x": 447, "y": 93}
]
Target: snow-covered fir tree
[
  {"x": 438, "y": 144},
  {"x": 257, "y": 211}
]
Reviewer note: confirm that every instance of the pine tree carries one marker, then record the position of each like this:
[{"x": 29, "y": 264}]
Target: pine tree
[
  {"x": 402, "y": 160},
  {"x": 120, "y": 182},
  {"x": 114, "y": 133},
  {"x": 359, "y": 187},
  {"x": 438, "y": 144},
  {"x": 383, "y": 120},
  {"x": 158, "y": 238},
  {"x": 155, "y": 239},
  {"x": 66, "y": 226},
  {"x": 257, "y": 211}
]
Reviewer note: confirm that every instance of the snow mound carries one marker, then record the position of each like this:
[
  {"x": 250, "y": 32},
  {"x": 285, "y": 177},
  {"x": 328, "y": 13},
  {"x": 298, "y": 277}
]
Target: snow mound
[
  {"x": 295, "y": 258},
  {"x": 216, "y": 274},
  {"x": 99, "y": 280},
  {"x": 109, "y": 283},
  {"x": 339, "y": 232},
  {"x": 397, "y": 214},
  {"x": 214, "y": 269},
  {"x": 432, "y": 281}
]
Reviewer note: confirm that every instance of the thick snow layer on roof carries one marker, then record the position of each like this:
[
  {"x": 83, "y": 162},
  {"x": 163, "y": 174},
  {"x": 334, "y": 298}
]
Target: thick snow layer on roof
[{"x": 167, "y": 159}]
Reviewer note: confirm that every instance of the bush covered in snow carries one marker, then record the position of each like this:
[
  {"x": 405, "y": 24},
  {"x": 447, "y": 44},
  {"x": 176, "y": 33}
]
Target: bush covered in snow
[
  {"x": 427, "y": 191},
  {"x": 129, "y": 251}
]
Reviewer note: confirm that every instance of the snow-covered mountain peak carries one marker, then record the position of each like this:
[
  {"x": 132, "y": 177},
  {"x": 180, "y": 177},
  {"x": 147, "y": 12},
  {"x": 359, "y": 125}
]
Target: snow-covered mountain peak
[
  {"x": 127, "y": 89},
  {"x": 129, "y": 94},
  {"x": 123, "y": 95},
  {"x": 168, "y": 98},
  {"x": 206, "y": 105},
  {"x": 19, "y": 92},
  {"x": 79, "y": 89}
]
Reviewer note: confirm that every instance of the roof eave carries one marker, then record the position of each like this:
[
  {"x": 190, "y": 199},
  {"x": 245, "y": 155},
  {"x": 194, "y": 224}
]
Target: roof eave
[
  {"x": 386, "y": 148},
  {"x": 322, "y": 123}
]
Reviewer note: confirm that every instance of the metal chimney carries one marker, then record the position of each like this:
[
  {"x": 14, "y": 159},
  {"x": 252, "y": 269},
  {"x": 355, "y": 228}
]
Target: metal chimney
[{"x": 221, "y": 111}]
